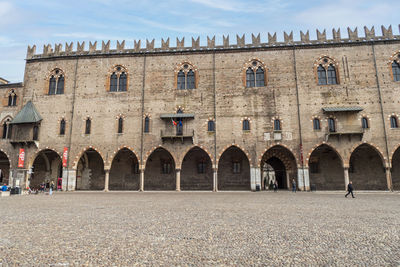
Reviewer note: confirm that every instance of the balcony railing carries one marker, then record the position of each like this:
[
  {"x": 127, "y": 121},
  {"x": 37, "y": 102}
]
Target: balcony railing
[
  {"x": 351, "y": 130},
  {"x": 174, "y": 134}
]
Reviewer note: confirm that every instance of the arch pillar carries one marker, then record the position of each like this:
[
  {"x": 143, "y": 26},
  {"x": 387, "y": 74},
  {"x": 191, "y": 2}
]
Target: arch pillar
[
  {"x": 178, "y": 180},
  {"x": 388, "y": 173},
  {"x": 303, "y": 179},
  {"x": 255, "y": 178},
  {"x": 106, "y": 180},
  {"x": 215, "y": 179},
  {"x": 141, "y": 182},
  {"x": 346, "y": 177}
]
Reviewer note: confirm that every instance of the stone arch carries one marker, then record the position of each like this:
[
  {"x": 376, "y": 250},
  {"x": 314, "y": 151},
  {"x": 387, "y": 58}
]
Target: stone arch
[
  {"x": 233, "y": 169},
  {"x": 326, "y": 169},
  {"x": 182, "y": 156},
  {"x": 90, "y": 174},
  {"x": 373, "y": 146},
  {"x": 238, "y": 146},
  {"x": 5, "y": 165},
  {"x": 367, "y": 168},
  {"x": 395, "y": 164},
  {"x": 331, "y": 146},
  {"x": 124, "y": 170},
  {"x": 79, "y": 155},
  {"x": 284, "y": 165},
  {"x": 196, "y": 170},
  {"x": 47, "y": 167},
  {"x": 148, "y": 154},
  {"x": 277, "y": 144},
  {"x": 159, "y": 171},
  {"x": 111, "y": 158}
]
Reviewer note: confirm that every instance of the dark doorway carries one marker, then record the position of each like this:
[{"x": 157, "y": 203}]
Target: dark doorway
[
  {"x": 396, "y": 170},
  {"x": 280, "y": 172},
  {"x": 196, "y": 173},
  {"x": 90, "y": 174},
  {"x": 124, "y": 172},
  {"x": 160, "y": 171},
  {"x": 46, "y": 168},
  {"x": 233, "y": 170}
]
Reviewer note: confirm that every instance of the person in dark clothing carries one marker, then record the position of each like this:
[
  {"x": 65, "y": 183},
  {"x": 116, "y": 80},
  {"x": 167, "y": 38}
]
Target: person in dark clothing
[
  {"x": 276, "y": 186},
  {"x": 350, "y": 189}
]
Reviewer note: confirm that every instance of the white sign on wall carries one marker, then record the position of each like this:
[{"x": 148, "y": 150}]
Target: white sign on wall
[{"x": 267, "y": 136}]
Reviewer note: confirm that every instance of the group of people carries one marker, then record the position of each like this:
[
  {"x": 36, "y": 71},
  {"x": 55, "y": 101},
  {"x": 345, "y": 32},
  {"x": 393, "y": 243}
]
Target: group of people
[
  {"x": 274, "y": 185},
  {"x": 42, "y": 188}
]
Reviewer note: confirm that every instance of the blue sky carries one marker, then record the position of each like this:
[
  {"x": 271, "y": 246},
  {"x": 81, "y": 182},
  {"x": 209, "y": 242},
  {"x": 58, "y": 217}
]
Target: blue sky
[{"x": 39, "y": 22}]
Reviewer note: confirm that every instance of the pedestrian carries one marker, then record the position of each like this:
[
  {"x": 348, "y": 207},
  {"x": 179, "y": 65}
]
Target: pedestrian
[
  {"x": 275, "y": 186},
  {"x": 51, "y": 188},
  {"x": 350, "y": 189},
  {"x": 265, "y": 183},
  {"x": 4, "y": 188},
  {"x": 294, "y": 187}
]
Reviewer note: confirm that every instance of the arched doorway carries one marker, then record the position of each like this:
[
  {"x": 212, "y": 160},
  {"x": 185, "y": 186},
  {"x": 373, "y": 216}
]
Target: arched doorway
[
  {"x": 124, "y": 172},
  {"x": 326, "y": 169},
  {"x": 196, "y": 171},
  {"x": 5, "y": 168},
  {"x": 278, "y": 164},
  {"x": 366, "y": 170},
  {"x": 396, "y": 169},
  {"x": 160, "y": 171},
  {"x": 47, "y": 168},
  {"x": 90, "y": 173},
  {"x": 233, "y": 170}
]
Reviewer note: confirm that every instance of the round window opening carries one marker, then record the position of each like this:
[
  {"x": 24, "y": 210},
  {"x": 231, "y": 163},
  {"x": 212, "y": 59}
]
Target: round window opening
[
  {"x": 118, "y": 68},
  {"x": 57, "y": 71},
  {"x": 325, "y": 60},
  {"x": 186, "y": 66},
  {"x": 254, "y": 63}
]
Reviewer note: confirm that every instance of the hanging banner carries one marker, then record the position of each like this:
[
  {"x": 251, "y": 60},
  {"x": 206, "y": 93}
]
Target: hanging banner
[
  {"x": 21, "y": 158},
  {"x": 65, "y": 156}
]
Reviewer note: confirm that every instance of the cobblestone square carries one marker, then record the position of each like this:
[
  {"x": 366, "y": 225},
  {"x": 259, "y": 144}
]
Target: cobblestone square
[{"x": 200, "y": 229}]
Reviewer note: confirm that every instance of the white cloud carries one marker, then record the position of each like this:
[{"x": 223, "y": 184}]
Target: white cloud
[{"x": 242, "y": 6}]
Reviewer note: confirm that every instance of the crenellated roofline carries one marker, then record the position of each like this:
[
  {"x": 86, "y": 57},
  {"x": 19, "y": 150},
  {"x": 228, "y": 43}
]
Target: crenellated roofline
[{"x": 353, "y": 38}]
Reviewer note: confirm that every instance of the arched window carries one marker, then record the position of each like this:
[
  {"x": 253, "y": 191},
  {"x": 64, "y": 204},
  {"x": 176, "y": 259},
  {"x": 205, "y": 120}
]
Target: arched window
[
  {"x": 211, "y": 126},
  {"x": 250, "y": 78},
  {"x": 88, "y": 126},
  {"x": 120, "y": 124},
  {"x": 7, "y": 127},
  {"x": 331, "y": 125},
  {"x": 364, "y": 123},
  {"x": 35, "y": 132},
  {"x": 62, "y": 127},
  {"x": 332, "y": 75},
  {"x": 147, "y": 124},
  {"x": 118, "y": 79},
  {"x": 277, "y": 125},
  {"x": 186, "y": 77},
  {"x": 316, "y": 124},
  {"x": 321, "y": 75},
  {"x": 396, "y": 71},
  {"x": 326, "y": 71},
  {"x": 393, "y": 122},
  {"x": 260, "y": 77},
  {"x": 56, "y": 82},
  {"x": 12, "y": 99},
  {"x": 246, "y": 125}
]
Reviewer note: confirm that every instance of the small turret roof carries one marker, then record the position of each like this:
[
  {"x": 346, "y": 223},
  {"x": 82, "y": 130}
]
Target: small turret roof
[{"x": 28, "y": 114}]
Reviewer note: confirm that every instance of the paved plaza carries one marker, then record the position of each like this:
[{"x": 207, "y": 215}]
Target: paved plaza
[{"x": 200, "y": 229}]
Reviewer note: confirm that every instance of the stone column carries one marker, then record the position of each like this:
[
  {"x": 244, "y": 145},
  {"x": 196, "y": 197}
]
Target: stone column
[
  {"x": 178, "y": 179},
  {"x": 389, "y": 178},
  {"x": 107, "y": 180},
  {"x": 215, "y": 180},
  {"x": 255, "y": 178},
  {"x": 346, "y": 177},
  {"x": 303, "y": 179},
  {"x": 68, "y": 179},
  {"x": 141, "y": 182}
]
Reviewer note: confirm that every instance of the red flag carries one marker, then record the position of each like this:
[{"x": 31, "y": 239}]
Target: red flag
[
  {"x": 174, "y": 122},
  {"x": 21, "y": 158},
  {"x": 65, "y": 156}
]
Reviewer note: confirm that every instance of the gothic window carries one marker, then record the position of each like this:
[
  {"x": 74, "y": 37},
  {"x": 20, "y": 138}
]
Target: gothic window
[
  {"x": 62, "y": 127},
  {"x": 118, "y": 79},
  {"x": 88, "y": 126},
  {"x": 201, "y": 167},
  {"x": 331, "y": 125},
  {"x": 12, "y": 99},
  {"x": 393, "y": 122},
  {"x": 316, "y": 124},
  {"x": 146, "y": 124},
  {"x": 326, "y": 71},
  {"x": 166, "y": 167},
  {"x": 120, "y": 124},
  {"x": 211, "y": 126},
  {"x": 186, "y": 77},
  {"x": 236, "y": 167},
  {"x": 364, "y": 123},
  {"x": 277, "y": 125},
  {"x": 246, "y": 125},
  {"x": 255, "y": 74},
  {"x": 56, "y": 82},
  {"x": 7, "y": 129},
  {"x": 396, "y": 70}
]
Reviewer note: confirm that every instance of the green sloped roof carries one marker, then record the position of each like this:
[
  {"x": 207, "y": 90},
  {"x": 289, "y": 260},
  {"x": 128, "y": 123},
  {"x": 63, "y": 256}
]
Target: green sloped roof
[
  {"x": 28, "y": 114},
  {"x": 342, "y": 109}
]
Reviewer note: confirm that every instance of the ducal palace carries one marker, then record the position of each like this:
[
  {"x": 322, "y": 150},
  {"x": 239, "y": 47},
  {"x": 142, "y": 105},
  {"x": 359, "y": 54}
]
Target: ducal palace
[{"x": 220, "y": 116}]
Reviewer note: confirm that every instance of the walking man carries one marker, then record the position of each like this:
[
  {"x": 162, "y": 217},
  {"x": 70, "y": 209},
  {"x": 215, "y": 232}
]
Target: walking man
[
  {"x": 350, "y": 189},
  {"x": 294, "y": 187}
]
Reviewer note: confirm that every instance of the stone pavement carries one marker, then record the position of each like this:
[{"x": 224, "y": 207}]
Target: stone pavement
[{"x": 200, "y": 229}]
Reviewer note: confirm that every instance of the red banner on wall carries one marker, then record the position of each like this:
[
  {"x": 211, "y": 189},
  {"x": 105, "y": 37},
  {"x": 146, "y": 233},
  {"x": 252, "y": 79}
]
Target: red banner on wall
[
  {"x": 21, "y": 158},
  {"x": 65, "y": 156}
]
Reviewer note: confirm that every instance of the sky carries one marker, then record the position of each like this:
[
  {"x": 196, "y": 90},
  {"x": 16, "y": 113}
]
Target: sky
[{"x": 29, "y": 22}]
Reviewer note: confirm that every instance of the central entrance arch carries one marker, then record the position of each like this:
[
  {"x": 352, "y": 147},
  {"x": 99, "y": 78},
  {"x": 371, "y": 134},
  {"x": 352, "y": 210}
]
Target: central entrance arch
[
  {"x": 160, "y": 171},
  {"x": 196, "y": 172},
  {"x": 233, "y": 170},
  {"x": 278, "y": 164},
  {"x": 47, "y": 168},
  {"x": 90, "y": 173}
]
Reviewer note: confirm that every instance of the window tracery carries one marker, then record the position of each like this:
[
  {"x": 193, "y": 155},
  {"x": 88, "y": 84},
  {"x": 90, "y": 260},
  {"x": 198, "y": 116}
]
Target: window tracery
[
  {"x": 56, "y": 82},
  {"x": 326, "y": 71},
  {"x": 255, "y": 74},
  {"x": 186, "y": 76}
]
